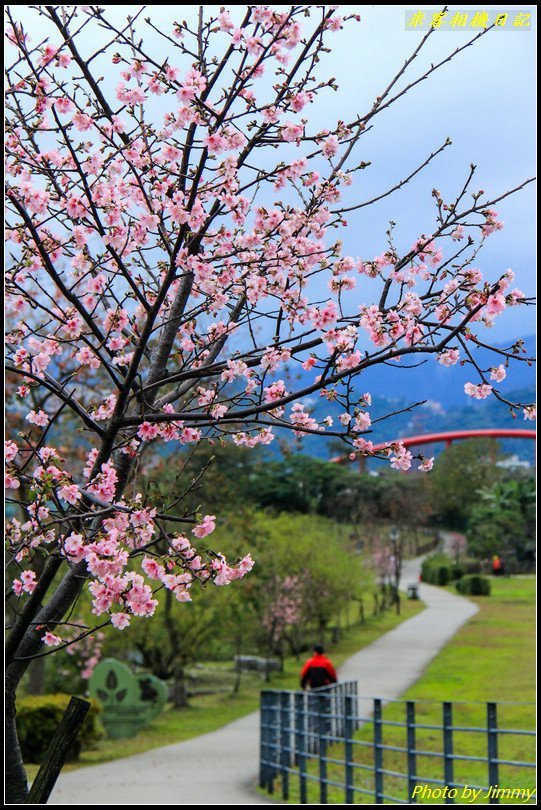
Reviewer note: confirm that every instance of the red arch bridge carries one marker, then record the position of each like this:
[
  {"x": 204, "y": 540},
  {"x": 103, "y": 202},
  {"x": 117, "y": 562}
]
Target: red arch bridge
[{"x": 448, "y": 437}]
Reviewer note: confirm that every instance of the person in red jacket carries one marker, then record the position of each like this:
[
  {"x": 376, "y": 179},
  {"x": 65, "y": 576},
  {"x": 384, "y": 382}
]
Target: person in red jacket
[{"x": 318, "y": 670}]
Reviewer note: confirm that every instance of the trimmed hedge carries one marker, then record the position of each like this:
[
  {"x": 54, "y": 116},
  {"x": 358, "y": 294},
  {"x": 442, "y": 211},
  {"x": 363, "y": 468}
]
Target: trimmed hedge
[
  {"x": 38, "y": 717},
  {"x": 439, "y": 569},
  {"x": 474, "y": 585}
]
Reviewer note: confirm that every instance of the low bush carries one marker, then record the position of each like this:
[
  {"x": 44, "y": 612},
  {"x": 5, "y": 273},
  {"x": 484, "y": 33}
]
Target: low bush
[
  {"x": 474, "y": 585},
  {"x": 38, "y": 717},
  {"x": 457, "y": 571},
  {"x": 439, "y": 569},
  {"x": 436, "y": 569}
]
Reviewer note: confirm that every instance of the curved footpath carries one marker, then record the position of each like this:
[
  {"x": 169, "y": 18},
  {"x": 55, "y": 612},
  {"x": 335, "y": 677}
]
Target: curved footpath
[{"x": 221, "y": 767}]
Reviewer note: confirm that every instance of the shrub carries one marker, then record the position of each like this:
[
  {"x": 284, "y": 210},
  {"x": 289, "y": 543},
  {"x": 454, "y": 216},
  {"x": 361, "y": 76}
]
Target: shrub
[
  {"x": 457, "y": 571},
  {"x": 439, "y": 569},
  {"x": 436, "y": 569},
  {"x": 38, "y": 717},
  {"x": 474, "y": 585}
]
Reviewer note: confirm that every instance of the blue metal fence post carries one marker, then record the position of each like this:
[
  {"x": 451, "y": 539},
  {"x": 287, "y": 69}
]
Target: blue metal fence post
[
  {"x": 348, "y": 747},
  {"x": 410, "y": 745},
  {"x": 322, "y": 746},
  {"x": 492, "y": 745},
  {"x": 354, "y": 692},
  {"x": 448, "y": 773},
  {"x": 274, "y": 725},
  {"x": 285, "y": 742},
  {"x": 300, "y": 743},
  {"x": 268, "y": 751},
  {"x": 378, "y": 752},
  {"x": 263, "y": 741}
]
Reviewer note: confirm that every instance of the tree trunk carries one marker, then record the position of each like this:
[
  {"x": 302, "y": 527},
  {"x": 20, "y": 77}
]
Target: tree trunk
[
  {"x": 16, "y": 780},
  {"x": 180, "y": 692},
  {"x": 36, "y": 673},
  {"x": 24, "y": 644},
  {"x": 397, "y": 601},
  {"x": 238, "y": 653}
]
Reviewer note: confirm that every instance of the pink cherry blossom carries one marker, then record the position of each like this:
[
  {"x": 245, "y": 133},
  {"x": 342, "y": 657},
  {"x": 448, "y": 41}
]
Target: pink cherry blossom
[
  {"x": 458, "y": 233},
  {"x": 49, "y": 53},
  {"x": 152, "y": 568},
  {"x": 103, "y": 485},
  {"x": 148, "y": 431},
  {"x": 448, "y": 357},
  {"x": 206, "y": 526},
  {"x": 401, "y": 460},
  {"x": 491, "y": 223},
  {"x": 70, "y": 493},
  {"x": 17, "y": 587},
  {"x": 120, "y": 620},
  {"x": 86, "y": 357},
  {"x": 309, "y": 363},
  {"x": 499, "y": 373},
  {"x": 74, "y": 547},
  {"x": 10, "y": 451},
  {"x": 326, "y": 316},
  {"x": 40, "y": 418},
  {"x": 51, "y": 640},
  {"x": 11, "y": 481},
  {"x": 291, "y": 131},
  {"x": 275, "y": 391},
  {"x": 362, "y": 421},
  {"x": 26, "y": 583},
  {"x": 82, "y": 122},
  {"x": 479, "y": 391},
  {"x": 64, "y": 105},
  {"x": 330, "y": 146}
]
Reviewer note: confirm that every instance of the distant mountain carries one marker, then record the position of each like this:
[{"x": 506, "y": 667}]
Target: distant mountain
[
  {"x": 428, "y": 418},
  {"x": 394, "y": 388},
  {"x": 437, "y": 383}
]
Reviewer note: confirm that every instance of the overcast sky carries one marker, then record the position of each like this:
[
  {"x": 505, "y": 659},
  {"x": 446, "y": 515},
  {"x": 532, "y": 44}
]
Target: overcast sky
[{"x": 484, "y": 100}]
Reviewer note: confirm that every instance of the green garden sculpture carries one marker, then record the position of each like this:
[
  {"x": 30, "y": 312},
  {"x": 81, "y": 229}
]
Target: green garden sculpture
[{"x": 129, "y": 701}]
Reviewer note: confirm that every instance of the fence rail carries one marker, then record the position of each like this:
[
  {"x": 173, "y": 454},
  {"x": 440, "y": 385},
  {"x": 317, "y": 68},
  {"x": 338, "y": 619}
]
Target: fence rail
[{"x": 319, "y": 741}]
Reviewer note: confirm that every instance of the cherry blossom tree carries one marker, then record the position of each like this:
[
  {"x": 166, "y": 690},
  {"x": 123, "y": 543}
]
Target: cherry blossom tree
[
  {"x": 282, "y": 610},
  {"x": 173, "y": 232}
]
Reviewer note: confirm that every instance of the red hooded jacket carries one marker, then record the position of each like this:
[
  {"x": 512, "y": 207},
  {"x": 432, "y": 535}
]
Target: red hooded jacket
[{"x": 318, "y": 671}]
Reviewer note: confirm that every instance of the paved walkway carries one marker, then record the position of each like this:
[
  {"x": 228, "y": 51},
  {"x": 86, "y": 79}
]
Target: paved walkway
[{"x": 221, "y": 767}]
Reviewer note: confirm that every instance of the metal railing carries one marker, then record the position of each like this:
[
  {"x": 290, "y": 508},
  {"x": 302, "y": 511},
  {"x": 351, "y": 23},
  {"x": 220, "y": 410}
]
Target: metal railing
[{"x": 318, "y": 741}]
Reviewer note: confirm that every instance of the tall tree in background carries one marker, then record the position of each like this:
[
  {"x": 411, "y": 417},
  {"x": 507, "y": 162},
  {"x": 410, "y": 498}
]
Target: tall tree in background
[
  {"x": 461, "y": 471},
  {"x": 173, "y": 242}
]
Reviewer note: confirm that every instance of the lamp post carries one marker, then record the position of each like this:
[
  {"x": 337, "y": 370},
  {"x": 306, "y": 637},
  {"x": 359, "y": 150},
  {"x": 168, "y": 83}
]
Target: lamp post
[{"x": 394, "y": 537}]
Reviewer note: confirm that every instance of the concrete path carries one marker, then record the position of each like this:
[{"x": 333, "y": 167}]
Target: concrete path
[
  {"x": 393, "y": 663},
  {"x": 221, "y": 767}
]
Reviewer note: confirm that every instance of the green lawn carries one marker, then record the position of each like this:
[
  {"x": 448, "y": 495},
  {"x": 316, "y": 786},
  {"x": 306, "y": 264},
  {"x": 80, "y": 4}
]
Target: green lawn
[
  {"x": 492, "y": 658},
  {"x": 212, "y": 711}
]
